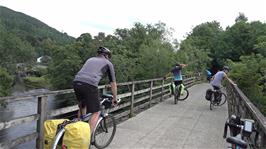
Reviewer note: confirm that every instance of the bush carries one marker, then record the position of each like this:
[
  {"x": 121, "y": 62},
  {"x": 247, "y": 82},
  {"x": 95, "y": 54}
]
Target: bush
[
  {"x": 6, "y": 82},
  {"x": 36, "y": 82}
]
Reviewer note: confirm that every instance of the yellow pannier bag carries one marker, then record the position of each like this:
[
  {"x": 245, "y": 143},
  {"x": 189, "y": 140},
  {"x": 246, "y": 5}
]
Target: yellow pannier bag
[
  {"x": 50, "y": 128},
  {"x": 77, "y": 135}
]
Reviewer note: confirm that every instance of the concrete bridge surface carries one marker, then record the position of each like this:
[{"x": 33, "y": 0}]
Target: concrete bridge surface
[{"x": 188, "y": 125}]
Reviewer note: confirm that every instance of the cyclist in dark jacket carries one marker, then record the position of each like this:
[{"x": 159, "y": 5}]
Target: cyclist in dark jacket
[{"x": 86, "y": 83}]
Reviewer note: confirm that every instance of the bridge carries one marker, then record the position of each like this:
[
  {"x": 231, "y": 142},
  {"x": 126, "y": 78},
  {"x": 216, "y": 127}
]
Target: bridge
[
  {"x": 188, "y": 124},
  {"x": 147, "y": 116}
]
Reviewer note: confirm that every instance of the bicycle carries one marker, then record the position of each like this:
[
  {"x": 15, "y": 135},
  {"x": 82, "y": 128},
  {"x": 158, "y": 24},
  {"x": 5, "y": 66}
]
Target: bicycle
[
  {"x": 178, "y": 95},
  {"x": 105, "y": 127},
  {"x": 217, "y": 98},
  {"x": 241, "y": 129}
]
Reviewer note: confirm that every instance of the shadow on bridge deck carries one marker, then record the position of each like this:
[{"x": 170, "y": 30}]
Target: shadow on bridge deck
[{"x": 189, "y": 124}]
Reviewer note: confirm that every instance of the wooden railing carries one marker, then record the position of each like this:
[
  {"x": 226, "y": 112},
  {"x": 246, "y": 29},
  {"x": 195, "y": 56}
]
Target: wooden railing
[
  {"x": 141, "y": 94},
  {"x": 239, "y": 104}
]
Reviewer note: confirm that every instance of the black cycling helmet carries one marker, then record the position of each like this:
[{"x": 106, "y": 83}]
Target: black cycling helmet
[
  {"x": 226, "y": 68},
  {"x": 105, "y": 51}
]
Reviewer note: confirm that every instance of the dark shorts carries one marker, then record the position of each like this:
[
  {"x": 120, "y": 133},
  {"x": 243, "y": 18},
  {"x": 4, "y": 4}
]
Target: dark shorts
[
  {"x": 217, "y": 94},
  {"x": 178, "y": 82},
  {"x": 216, "y": 87},
  {"x": 87, "y": 96}
]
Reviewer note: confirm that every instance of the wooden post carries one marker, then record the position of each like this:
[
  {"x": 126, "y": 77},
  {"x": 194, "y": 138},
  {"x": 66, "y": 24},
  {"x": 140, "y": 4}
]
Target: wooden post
[
  {"x": 132, "y": 100},
  {"x": 151, "y": 85},
  {"x": 162, "y": 91},
  {"x": 42, "y": 112}
]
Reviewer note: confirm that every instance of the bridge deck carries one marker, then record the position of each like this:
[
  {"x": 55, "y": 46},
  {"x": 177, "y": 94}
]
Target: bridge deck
[{"x": 189, "y": 124}]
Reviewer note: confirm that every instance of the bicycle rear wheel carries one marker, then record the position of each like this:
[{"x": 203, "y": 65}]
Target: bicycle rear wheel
[
  {"x": 184, "y": 95},
  {"x": 57, "y": 142},
  {"x": 105, "y": 131},
  {"x": 222, "y": 100}
]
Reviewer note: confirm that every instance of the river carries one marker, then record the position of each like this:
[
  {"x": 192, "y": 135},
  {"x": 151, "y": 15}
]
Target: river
[{"x": 19, "y": 109}]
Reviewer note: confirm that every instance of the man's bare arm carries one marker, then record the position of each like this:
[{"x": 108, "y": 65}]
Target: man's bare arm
[
  {"x": 114, "y": 91},
  {"x": 231, "y": 81}
]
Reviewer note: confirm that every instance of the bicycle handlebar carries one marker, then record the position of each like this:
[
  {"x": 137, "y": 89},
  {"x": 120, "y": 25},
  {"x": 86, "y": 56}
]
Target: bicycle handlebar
[
  {"x": 109, "y": 99},
  {"x": 243, "y": 126}
]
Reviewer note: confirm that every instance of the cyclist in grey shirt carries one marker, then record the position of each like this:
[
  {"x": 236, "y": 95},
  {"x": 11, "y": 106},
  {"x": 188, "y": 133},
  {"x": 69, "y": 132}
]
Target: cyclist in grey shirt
[
  {"x": 218, "y": 77},
  {"x": 87, "y": 80}
]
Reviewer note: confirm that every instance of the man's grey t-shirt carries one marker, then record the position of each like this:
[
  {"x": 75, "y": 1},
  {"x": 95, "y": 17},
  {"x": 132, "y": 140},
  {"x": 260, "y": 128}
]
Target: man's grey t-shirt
[
  {"x": 218, "y": 77},
  {"x": 94, "y": 69}
]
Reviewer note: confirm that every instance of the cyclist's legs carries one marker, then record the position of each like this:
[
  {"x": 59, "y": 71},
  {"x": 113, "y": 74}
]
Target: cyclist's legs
[
  {"x": 88, "y": 98},
  {"x": 177, "y": 84},
  {"x": 217, "y": 93},
  {"x": 93, "y": 120},
  {"x": 81, "y": 110}
]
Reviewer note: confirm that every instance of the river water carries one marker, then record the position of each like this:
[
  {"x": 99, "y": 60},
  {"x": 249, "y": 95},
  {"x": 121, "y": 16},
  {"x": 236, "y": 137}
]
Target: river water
[{"x": 20, "y": 109}]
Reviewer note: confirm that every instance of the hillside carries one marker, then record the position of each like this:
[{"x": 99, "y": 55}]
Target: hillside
[
  {"x": 29, "y": 28},
  {"x": 22, "y": 40}
]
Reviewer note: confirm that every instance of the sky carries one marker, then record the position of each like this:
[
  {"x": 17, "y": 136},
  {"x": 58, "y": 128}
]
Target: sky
[{"x": 93, "y": 16}]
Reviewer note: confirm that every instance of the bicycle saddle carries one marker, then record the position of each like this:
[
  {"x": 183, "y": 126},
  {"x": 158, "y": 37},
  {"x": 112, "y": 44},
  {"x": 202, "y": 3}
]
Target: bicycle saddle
[
  {"x": 107, "y": 96},
  {"x": 237, "y": 141}
]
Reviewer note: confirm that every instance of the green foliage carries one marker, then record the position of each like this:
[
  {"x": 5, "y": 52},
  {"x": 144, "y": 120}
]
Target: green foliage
[
  {"x": 242, "y": 45},
  {"x": 24, "y": 38},
  {"x": 260, "y": 45},
  {"x": 6, "y": 82},
  {"x": 154, "y": 60},
  {"x": 63, "y": 68},
  {"x": 36, "y": 82},
  {"x": 241, "y": 17},
  {"x": 250, "y": 74},
  {"x": 13, "y": 50},
  {"x": 141, "y": 52},
  {"x": 203, "y": 36}
]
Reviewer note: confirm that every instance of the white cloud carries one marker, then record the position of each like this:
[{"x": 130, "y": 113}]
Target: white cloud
[{"x": 79, "y": 16}]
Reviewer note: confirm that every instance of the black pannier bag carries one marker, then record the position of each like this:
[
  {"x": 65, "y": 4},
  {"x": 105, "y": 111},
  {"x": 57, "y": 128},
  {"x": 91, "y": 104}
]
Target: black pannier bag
[{"x": 208, "y": 95}]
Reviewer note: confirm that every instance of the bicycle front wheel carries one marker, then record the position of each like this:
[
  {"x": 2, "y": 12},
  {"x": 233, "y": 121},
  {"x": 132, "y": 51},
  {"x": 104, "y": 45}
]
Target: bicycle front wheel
[
  {"x": 105, "y": 131},
  {"x": 184, "y": 95},
  {"x": 175, "y": 96},
  {"x": 212, "y": 101}
]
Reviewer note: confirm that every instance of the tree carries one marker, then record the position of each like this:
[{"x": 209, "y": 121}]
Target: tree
[
  {"x": 260, "y": 45},
  {"x": 250, "y": 75},
  {"x": 241, "y": 18},
  {"x": 64, "y": 66},
  {"x": 6, "y": 82},
  {"x": 203, "y": 36}
]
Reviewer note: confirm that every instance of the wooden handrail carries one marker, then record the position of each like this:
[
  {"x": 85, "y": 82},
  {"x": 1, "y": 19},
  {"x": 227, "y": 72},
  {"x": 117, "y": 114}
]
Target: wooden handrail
[
  {"x": 239, "y": 104},
  {"x": 156, "y": 90}
]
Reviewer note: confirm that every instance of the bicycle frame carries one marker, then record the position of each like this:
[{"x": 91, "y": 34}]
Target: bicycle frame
[{"x": 178, "y": 89}]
